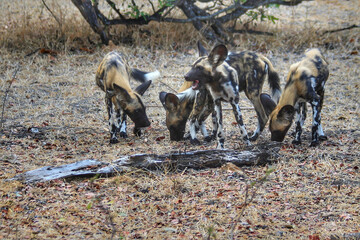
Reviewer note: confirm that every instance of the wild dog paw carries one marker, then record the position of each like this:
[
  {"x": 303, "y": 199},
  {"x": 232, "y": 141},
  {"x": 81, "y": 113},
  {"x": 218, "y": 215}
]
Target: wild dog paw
[
  {"x": 208, "y": 139},
  {"x": 137, "y": 132},
  {"x": 195, "y": 141},
  {"x": 246, "y": 140},
  {"x": 114, "y": 140},
  {"x": 296, "y": 142},
  {"x": 314, "y": 143},
  {"x": 187, "y": 136},
  {"x": 253, "y": 137},
  {"x": 123, "y": 134},
  {"x": 323, "y": 138}
]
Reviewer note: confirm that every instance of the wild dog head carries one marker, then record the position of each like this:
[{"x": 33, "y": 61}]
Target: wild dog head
[
  {"x": 131, "y": 103},
  {"x": 280, "y": 122},
  {"x": 203, "y": 70},
  {"x": 177, "y": 112}
]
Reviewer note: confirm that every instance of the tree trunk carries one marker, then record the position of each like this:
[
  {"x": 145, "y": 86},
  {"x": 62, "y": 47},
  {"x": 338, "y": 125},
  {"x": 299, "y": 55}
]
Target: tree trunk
[{"x": 88, "y": 12}]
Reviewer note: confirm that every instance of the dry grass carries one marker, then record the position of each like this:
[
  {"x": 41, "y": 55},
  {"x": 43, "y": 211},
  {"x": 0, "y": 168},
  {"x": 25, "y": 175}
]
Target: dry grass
[{"x": 313, "y": 192}]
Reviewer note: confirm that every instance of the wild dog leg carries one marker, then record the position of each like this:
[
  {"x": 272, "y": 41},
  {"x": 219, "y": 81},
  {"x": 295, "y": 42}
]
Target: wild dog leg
[
  {"x": 261, "y": 116},
  {"x": 239, "y": 120},
  {"x": 114, "y": 122},
  {"x": 200, "y": 100},
  {"x": 315, "y": 104},
  {"x": 209, "y": 108},
  {"x": 321, "y": 134},
  {"x": 214, "y": 123},
  {"x": 123, "y": 133},
  {"x": 300, "y": 116},
  {"x": 219, "y": 126}
]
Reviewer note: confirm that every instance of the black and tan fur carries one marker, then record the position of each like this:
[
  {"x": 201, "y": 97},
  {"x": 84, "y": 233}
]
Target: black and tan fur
[
  {"x": 225, "y": 75},
  {"x": 195, "y": 105},
  {"x": 305, "y": 83},
  {"x": 113, "y": 77}
]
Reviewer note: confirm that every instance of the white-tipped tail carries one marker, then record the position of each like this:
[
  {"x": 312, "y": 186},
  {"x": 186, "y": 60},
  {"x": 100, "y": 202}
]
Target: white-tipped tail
[
  {"x": 152, "y": 75},
  {"x": 142, "y": 76}
]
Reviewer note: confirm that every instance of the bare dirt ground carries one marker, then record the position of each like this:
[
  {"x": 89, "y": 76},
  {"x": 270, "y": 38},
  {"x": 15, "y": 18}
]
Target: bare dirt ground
[{"x": 55, "y": 114}]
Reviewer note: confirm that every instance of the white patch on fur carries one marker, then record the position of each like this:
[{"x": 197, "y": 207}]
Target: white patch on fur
[
  {"x": 313, "y": 82},
  {"x": 192, "y": 130},
  {"x": 320, "y": 131},
  {"x": 187, "y": 94},
  {"x": 257, "y": 131},
  {"x": 152, "y": 75},
  {"x": 123, "y": 127},
  {"x": 203, "y": 130},
  {"x": 242, "y": 128},
  {"x": 255, "y": 73}
]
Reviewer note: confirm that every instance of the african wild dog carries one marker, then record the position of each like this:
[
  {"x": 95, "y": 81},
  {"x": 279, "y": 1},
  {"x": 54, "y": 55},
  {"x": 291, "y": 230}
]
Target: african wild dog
[
  {"x": 305, "y": 83},
  {"x": 188, "y": 103},
  {"x": 113, "y": 77},
  {"x": 225, "y": 75}
]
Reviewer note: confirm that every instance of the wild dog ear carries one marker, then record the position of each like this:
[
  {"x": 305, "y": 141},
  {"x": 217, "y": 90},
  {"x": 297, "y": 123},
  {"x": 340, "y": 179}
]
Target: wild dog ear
[
  {"x": 110, "y": 93},
  {"x": 218, "y": 55},
  {"x": 268, "y": 104},
  {"x": 119, "y": 91},
  {"x": 143, "y": 87},
  {"x": 171, "y": 102},
  {"x": 286, "y": 113},
  {"x": 202, "y": 50},
  {"x": 162, "y": 96}
]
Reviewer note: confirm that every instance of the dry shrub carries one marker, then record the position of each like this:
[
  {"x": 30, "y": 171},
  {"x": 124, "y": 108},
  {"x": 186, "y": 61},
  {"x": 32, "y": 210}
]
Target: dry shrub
[{"x": 30, "y": 25}]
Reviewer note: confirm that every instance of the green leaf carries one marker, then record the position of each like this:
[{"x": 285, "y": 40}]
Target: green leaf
[{"x": 89, "y": 205}]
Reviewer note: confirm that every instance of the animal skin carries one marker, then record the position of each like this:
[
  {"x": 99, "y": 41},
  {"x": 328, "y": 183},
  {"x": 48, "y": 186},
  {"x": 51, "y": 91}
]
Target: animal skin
[
  {"x": 188, "y": 103},
  {"x": 113, "y": 77},
  {"x": 225, "y": 74},
  {"x": 305, "y": 83}
]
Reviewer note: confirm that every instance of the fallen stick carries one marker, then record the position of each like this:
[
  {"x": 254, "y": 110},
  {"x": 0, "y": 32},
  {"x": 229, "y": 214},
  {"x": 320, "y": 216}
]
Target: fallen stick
[{"x": 255, "y": 155}]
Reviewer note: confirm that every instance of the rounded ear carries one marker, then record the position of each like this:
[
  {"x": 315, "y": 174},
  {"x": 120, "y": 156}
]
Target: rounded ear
[
  {"x": 143, "y": 87},
  {"x": 119, "y": 91},
  {"x": 218, "y": 55},
  {"x": 171, "y": 102},
  {"x": 202, "y": 50},
  {"x": 268, "y": 104},
  {"x": 162, "y": 96},
  {"x": 286, "y": 113}
]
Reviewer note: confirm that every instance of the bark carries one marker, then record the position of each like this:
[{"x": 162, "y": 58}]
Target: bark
[
  {"x": 88, "y": 12},
  {"x": 210, "y": 25},
  {"x": 256, "y": 155}
]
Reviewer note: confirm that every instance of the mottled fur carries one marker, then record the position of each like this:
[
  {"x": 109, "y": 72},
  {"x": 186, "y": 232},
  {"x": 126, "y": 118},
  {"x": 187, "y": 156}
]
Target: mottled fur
[
  {"x": 305, "y": 83},
  {"x": 113, "y": 77},
  {"x": 187, "y": 104},
  {"x": 225, "y": 75}
]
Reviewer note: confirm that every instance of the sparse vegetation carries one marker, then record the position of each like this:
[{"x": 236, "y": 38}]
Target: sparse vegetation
[{"x": 54, "y": 114}]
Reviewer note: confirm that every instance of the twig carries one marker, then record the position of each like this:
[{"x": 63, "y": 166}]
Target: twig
[
  {"x": 7, "y": 92},
  {"x": 341, "y": 29},
  {"x": 57, "y": 20},
  {"x": 166, "y": 85},
  {"x": 113, "y": 6},
  {"x": 248, "y": 200}
]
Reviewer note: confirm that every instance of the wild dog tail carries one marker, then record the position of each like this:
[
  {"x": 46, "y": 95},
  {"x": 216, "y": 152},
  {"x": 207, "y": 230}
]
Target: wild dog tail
[
  {"x": 142, "y": 76},
  {"x": 273, "y": 80}
]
